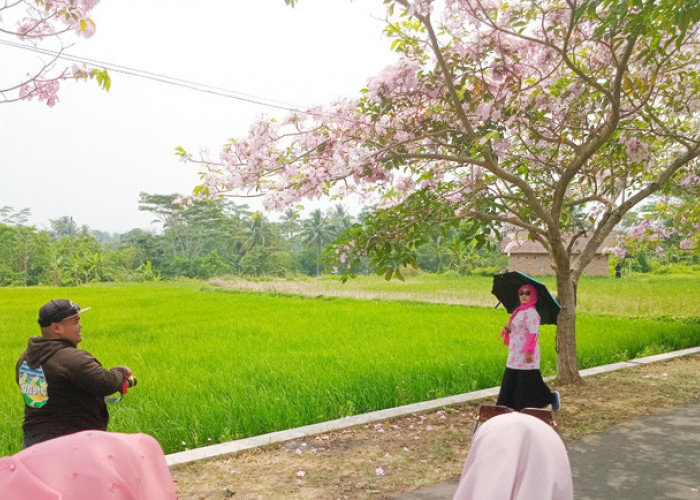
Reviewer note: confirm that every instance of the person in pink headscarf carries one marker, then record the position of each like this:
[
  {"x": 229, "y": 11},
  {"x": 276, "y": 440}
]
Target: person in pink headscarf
[
  {"x": 516, "y": 457},
  {"x": 522, "y": 385},
  {"x": 88, "y": 465}
]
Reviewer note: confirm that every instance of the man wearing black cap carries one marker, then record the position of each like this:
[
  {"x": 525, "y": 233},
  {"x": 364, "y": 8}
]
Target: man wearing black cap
[{"x": 63, "y": 387}]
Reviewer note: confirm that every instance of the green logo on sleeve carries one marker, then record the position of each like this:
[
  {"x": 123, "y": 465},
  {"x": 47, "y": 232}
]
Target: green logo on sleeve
[{"x": 33, "y": 384}]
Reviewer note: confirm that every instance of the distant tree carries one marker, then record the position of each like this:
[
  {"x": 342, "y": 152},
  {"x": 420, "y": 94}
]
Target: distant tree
[
  {"x": 218, "y": 226},
  {"x": 77, "y": 259},
  {"x": 89, "y": 266},
  {"x": 55, "y": 265},
  {"x": 14, "y": 218},
  {"x": 289, "y": 222},
  {"x": 23, "y": 255},
  {"x": 145, "y": 272},
  {"x": 316, "y": 232},
  {"x": 339, "y": 218},
  {"x": 104, "y": 236},
  {"x": 186, "y": 232},
  {"x": 258, "y": 232},
  {"x": 209, "y": 265},
  {"x": 63, "y": 226},
  {"x": 147, "y": 247},
  {"x": 255, "y": 262},
  {"x": 167, "y": 213}
]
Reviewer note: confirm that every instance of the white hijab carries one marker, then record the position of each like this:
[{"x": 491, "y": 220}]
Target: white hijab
[{"x": 516, "y": 457}]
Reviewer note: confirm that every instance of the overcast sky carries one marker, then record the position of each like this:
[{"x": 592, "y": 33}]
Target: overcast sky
[{"x": 91, "y": 155}]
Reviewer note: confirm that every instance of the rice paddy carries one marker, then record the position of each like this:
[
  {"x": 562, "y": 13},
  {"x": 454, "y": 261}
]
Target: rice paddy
[{"x": 215, "y": 365}]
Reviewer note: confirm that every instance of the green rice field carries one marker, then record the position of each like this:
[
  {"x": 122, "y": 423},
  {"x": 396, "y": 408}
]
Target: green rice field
[{"x": 215, "y": 364}]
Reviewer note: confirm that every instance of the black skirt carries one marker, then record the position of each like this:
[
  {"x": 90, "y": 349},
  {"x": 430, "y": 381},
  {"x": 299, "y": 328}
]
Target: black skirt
[{"x": 524, "y": 389}]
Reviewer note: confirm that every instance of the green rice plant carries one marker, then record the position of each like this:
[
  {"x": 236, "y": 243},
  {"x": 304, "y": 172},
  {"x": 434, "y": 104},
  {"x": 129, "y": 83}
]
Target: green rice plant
[
  {"x": 639, "y": 295},
  {"x": 215, "y": 365}
]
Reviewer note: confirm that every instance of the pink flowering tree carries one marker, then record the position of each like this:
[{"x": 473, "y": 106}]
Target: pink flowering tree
[
  {"x": 39, "y": 23},
  {"x": 670, "y": 222},
  {"x": 516, "y": 114}
]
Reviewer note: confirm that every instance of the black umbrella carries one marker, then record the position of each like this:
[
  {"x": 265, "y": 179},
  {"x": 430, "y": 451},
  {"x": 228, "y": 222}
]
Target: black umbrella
[{"x": 506, "y": 286}]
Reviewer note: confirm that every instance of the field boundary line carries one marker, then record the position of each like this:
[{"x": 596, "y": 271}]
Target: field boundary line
[{"x": 232, "y": 447}]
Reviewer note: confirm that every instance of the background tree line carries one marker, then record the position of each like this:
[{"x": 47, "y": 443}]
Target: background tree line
[
  {"x": 221, "y": 238},
  {"x": 208, "y": 239}
]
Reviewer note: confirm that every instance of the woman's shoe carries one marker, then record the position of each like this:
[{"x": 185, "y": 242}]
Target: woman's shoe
[{"x": 556, "y": 401}]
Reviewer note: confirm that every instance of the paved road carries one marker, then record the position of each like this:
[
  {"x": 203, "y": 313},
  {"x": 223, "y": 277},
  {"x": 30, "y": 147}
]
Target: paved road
[{"x": 652, "y": 458}]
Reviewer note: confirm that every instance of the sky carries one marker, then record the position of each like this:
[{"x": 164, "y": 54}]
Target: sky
[{"x": 91, "y": 155}]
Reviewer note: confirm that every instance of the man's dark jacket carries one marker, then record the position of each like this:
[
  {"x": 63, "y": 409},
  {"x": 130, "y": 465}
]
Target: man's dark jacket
[{"x": 77, "y": 384}]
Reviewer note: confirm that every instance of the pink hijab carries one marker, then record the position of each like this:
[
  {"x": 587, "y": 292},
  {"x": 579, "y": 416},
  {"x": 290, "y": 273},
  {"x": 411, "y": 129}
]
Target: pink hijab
[
  {"x": 88, "y": 465},
  {"x": 530, "y": 303},
  {"x": 516, "y": 457}
]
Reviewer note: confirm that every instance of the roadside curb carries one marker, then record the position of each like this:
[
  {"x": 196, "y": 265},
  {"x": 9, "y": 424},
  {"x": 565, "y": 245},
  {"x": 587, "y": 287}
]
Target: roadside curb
[{"x": 231, "y": 447}]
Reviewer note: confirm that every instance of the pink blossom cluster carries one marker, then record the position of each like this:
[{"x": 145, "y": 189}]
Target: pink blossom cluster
[
  {"x": 81, "y": 71},
  {"x": 686, "y": 244},
  {"x": 420, "y": 7},
  {"x": 652, "y": 230},
  {"x": 637, "y": 150},
  {"x": 47, "y": 90},
  {"x": 298, "y": 162},
  {"x": 41, "y": 19},
  {"x": 396, "y": 79},
  {"x": 689, "y": 180},
  {"x": 512, "y": 245},
  {"x": 638, "y": 229},
  {"x": 43, "y": 90},
  {"x": 617, "y": 250}
]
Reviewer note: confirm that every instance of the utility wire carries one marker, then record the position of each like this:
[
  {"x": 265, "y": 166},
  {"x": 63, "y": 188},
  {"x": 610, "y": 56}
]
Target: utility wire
[
  {"x": 179, "y": 82},
  {"x": 199, "y": 87}
]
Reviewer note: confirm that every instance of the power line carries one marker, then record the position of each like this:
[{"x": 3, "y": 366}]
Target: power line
[{"x": 199, "y": 87}]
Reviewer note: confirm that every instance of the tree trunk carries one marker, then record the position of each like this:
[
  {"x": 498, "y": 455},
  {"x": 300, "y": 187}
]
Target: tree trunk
[
  {"x": 567, "y": 361},
  {"x": 318, "y": 256}
]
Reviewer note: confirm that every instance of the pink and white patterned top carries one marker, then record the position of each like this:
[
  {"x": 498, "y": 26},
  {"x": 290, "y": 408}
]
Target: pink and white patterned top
[{"x": 524, "y": 323}]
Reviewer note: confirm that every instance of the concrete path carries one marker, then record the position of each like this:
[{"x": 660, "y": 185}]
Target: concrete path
[{"x": 654, "y": 457}]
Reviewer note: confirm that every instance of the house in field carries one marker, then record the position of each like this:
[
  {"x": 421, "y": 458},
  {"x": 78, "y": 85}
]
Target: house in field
[{"x": 530, "y": 257}]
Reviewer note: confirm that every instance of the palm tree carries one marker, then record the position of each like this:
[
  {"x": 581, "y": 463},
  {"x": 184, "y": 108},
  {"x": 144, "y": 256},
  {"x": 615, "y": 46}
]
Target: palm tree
[
  {"x": 289, "y": 222},
  {"x": 340, "y": 219},
  {"x": 317, "y": 232},
  {"x": 258, "y": 232},
  {"x": 63, "y": 226},
  {"x": 12, "y": 217},
  {"x": 66, "y": 226}
]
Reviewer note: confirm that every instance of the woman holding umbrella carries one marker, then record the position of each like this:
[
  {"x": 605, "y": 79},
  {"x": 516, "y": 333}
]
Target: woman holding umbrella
[{"x": 522, "y": 385}]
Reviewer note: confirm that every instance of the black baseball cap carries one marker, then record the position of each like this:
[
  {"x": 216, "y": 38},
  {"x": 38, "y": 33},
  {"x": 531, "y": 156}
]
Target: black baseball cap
[{"x": 58, "y": 310}]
